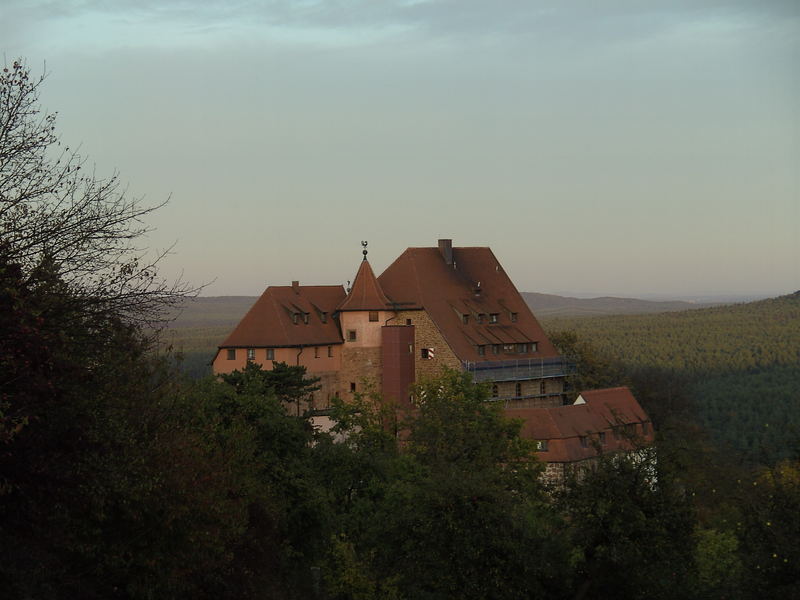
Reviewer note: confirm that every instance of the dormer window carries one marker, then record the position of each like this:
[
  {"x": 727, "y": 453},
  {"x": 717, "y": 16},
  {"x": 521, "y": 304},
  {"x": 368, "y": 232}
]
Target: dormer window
[
  {"x": 514, "y": 317},
  {"x": 465, "y": 319},
  {"x": 324, "y": 317},
  {"x": 541, "y": 445},
  {"x": 493, "y": 317},
  {"x": 522, "y": 348},
  {"x": 305, "y": 318},
  {"x": 294, "y": 318}
]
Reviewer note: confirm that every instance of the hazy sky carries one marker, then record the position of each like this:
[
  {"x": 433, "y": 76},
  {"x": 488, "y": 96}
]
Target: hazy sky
[{"x": 620, "y": 147}]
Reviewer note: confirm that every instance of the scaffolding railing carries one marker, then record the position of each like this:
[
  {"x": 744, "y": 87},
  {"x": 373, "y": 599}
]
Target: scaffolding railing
[{"x": 519, "y": 369}]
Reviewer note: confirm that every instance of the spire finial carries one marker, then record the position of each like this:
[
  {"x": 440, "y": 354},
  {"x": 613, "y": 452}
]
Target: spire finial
[{"x": 364, "y": 251}]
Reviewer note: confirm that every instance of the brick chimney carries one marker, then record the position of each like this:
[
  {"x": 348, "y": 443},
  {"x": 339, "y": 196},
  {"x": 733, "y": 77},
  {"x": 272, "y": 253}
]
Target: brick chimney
[
  {"x": 446, "y": 248},
  {"x": 296, "y": 287}
]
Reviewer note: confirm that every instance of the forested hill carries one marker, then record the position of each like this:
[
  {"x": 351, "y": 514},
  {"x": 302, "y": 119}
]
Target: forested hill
[
  {"x": 734, "y": 337},
  {"x": 546, "y": 306}
]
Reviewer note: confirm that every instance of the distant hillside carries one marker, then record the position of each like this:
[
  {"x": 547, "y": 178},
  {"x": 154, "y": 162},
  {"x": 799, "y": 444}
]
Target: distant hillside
[
  {"x": 213, "y": 311},
  {"x": 737, "y": 336},
  {"x": 549, "y": 305}
]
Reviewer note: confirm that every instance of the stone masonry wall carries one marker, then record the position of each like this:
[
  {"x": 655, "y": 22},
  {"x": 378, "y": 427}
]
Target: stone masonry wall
[{"x": 427, "y": 335}]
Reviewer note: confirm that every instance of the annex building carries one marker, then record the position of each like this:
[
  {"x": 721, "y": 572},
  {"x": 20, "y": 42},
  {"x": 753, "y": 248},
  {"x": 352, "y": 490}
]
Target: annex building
[{"x": 431, "y": 308}]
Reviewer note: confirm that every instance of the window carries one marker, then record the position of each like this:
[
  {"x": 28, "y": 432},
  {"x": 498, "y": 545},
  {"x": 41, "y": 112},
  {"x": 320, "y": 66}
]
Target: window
[
  {"x": 373, "y": 315},
  {"x": 231, "y": 353},
  {"x": 425, "y": 353},
  {"x": 495, "y": 348},
  {"x": 270, "y": 353},
  {"x": 465, "y": 319},
  {"x": 541, "y": 445},
  {"x": 294, "y": 318},
  {"x": 316, "y": 351},
  {"x": 522, "y": 348},
  {"x": 408, "y": 321},
  {"x": 493, "y": 317},
  {"x": 481, "y": 350},
  {"x": 323, "y": 317},
  {"x": 495, "y": 391},
  {"x": 352, "y": 386},
  {"x": 351, "y": 335},
  {"x": 514, "y": 317},
  {"x": 603, "y": 438},
  {"x": 543, "y": 388},
  {"x": 330, "y": 351},
  {"x": 534, "y": 346},
  {"x": 584, "y": 441},
  {"x": 251, "y": 354},
  {"x": 518, "y": 390},
  {"x": 305, "y": 318},
  {"x": 481, "y": 317},
  {"x": 508, "y": 348}
]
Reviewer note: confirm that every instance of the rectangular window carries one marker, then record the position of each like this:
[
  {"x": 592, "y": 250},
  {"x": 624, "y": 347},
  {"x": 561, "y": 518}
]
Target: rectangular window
[
  {"x": 465, "y": 319},
  {"x": 495, "y": 348},
  {"x": 514, "y": 317},
  {"x": 330, "y": 351},
  {"x": 482, "y": 350},
  {"x": 305, "y": 318},
  {"x": 408, "y": 321},
  {"x": 294, "y": 318},
  {"x": 351, "y": 335},
  {"x": 251, "y": 354},
  {"x": 493, "y": 317},
  {"x": 352, "y": 386},
  {"x": 373, "y": 315},
  {"x": 324, "y": 317},
  {"x": 424, "y": 353},
  {"x": 481, "y": 317},
  {"x": 508, "y": 348},
  {"x": 541, "y": 445},
  {"x": 518, "y": 390},
  {"x": 534, "y": 346},
  {"x": 522, "y": 348},
  {"x": 316, "y": 351},
  {"x": 231, "y": 353},
  {"x": 584, "y": 441},
  {"x": 270, "y": 353},
  {"x": 495, "y": 391},
  {"x": 543, "y": 388}
]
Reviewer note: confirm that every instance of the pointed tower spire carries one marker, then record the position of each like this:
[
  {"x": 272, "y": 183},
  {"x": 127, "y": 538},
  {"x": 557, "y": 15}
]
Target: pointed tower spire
[{"x": 366, "y": 293}]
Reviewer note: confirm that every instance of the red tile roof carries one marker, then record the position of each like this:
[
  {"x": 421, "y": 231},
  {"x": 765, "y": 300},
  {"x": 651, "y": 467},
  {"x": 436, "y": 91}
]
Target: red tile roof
[
  {"x": 271, "y": 322},
  {"x": 366, "y": 293},
  {"x": 562, "y": 427},
  {"x": 474, "y": 284}
]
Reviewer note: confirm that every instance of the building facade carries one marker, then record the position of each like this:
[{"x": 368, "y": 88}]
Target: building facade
[{"x": 431, "y": 308}]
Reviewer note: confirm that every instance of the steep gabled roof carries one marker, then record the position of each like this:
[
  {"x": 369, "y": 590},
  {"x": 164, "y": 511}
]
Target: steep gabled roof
[
  {"x": 563, "y": 426},
  {"x": 473, "y": 283},
  {"x": 366, "y": 292},
  {"x": 278, "y": 318}
]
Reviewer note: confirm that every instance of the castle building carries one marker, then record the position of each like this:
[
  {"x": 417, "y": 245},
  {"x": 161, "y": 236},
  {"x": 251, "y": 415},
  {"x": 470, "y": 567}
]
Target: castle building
[{"x": 432, "y": 307}]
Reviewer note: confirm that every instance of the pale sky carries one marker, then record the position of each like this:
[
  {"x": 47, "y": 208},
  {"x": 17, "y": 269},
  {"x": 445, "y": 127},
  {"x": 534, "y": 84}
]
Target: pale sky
[{"x": 620, "y": 147}]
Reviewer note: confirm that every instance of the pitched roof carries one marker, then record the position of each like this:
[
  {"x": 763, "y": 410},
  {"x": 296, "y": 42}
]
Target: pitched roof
[
  {"x": 278, "y": 318},
  {"x": 473, "y": 283},
  {"x": 366, "y": 293},
  {"x": 563, "y": 426}
]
